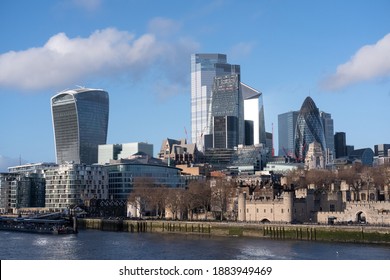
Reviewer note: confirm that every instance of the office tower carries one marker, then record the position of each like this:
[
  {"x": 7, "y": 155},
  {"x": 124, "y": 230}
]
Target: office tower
[
  {"x": 309, "y": 129},
  {"x": 227, "y": 112},
  {"x": 327, "y": 123},
  {"x": 382, "y": 150},
  {"x": 286, "y": 133},
  {"x": 253, "y": 115},
  {"x": 340, "y": 144},
  {"x": 122, "y": 151},
  {"x": 204, "y": 68},
  {"x": 80, "y": 122}
]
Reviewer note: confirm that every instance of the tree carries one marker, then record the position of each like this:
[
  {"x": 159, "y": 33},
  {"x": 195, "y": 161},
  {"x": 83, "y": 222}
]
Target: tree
[
  {"x": 222, "y": 192},
  {"x": 146, "y": 196},
  {"x": 175, "y": 201},
  {"x": 197, "y": 197},
  {"x": 352, "y": 176}
]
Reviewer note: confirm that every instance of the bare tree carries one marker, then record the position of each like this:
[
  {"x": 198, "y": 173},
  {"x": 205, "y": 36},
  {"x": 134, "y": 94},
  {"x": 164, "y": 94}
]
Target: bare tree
[
  {"x": 352, "y": 176},
  {"x": 197, "y": 197},
  {"x": 222, "y": 193},
  {"x": 175, "y": 201},
  {"x": 146, "y": 195}
]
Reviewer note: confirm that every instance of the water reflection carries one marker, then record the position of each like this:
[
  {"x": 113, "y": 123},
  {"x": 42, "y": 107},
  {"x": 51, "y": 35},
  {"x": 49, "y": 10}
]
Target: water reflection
[{"x": 103, "y": 245}]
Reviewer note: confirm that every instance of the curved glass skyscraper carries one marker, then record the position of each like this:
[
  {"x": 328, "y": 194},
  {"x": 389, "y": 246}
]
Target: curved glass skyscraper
[
  {"x": 80, "y": 123},
  {"x": 309, "y": 129}
]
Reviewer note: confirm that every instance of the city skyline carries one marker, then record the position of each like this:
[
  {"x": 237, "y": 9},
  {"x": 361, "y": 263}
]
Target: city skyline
[{"x": 141, "y": 56}]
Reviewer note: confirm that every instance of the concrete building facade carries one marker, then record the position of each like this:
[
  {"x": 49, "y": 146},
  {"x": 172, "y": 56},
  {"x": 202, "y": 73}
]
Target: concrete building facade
[{"x": 75, "y": 184}]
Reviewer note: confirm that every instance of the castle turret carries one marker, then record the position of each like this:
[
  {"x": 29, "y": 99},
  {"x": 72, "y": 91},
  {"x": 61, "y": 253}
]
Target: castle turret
[
  {"x": 288, "y": 205},
  {"x": 242, "y": 207}
]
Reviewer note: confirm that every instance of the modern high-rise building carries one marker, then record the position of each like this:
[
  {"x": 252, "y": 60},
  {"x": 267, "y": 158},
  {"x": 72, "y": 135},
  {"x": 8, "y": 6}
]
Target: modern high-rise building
[
  {"x": 74, "y": 184},
  {"x": 327, "y": 123},
  {"x": 227, "y": 112},
  {"x": 204, "y": 68},
  {"x": 287, "y": 123},
  {"x": 253, "y": 115},
  {"x": 80, "y": 123},
  {"x": 340, "y": 144},
  {"x": 309, "y": 129}
]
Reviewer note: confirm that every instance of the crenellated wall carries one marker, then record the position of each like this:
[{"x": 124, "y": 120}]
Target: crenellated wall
[{"x": 371, "y": 212}]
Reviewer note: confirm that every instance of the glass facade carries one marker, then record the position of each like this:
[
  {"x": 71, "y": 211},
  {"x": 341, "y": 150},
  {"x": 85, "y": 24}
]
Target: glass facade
[
  {"x": 286, "y": 133},
  {"x": 327, "y": 123},
  {"x": 204, "y": 67},
  {"x": 80, "y": 121},
  {"x": 122, "y": 177},
  {"x": 309, "y": 129},
  {"x": 340, "y": 144},
  {"x": 227, "y": 112},
  {"x": 254, "y": 112}
]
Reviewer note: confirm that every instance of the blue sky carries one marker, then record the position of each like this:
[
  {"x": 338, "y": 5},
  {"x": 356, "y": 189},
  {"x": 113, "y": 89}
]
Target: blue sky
[{"x": 338, "y": 52}]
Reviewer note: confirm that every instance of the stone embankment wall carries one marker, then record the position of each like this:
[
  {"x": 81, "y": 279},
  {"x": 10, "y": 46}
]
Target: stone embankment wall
[{"x": 360, "y": 234}]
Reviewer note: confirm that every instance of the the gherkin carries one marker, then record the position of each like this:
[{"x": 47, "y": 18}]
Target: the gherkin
[{"x": 309, "y": 129}]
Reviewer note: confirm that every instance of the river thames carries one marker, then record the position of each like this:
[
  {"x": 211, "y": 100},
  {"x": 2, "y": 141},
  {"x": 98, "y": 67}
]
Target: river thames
[{"x": 104, "y": 245}]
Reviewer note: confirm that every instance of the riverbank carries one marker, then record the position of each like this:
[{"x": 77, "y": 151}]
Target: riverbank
[{"x": 312, "y": 232}]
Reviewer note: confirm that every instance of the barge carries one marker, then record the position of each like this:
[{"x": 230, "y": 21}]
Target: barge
[{"x": 33, "y": 225}]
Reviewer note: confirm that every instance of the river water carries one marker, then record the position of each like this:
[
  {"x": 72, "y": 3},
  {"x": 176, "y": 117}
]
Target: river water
[{"x": 103, "y": 245}]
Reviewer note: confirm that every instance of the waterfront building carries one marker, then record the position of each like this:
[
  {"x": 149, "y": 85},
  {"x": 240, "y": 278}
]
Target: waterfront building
[
  {"x": 287, "y": 123},
  {"x": 32, "y": 168},
  {"x": 306, "y": 205},
  {"x": 80, "y": 123},
  {"x": 24, "y": 186},
  {"x": 140, "y": 172},
  {"x": 340, "y": 144},
  {"x": 117, "y": 151},
  {"x": 75, "y": 184},
  {"x": 6, "y": 180},
  {"x": 18, "y": 190},
  {"x": 204, "y": 68},
  {"x": 309, "y": 129}
]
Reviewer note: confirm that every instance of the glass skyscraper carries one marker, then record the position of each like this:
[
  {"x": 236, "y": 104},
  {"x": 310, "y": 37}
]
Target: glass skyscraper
[
  {"x": 227, "y": 112},
  {"x": 287, "y": 123},
  {"x": 80, "y": 123},
  {"x": 204, "y": 68},
  {"x": 327, "y": 123},
  {"x": 253, "y": 115},
  {"x": 309, "y": 129}
]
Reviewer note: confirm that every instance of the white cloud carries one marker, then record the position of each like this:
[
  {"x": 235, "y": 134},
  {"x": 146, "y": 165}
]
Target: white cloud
[
  {"x": 163, "y": 26},
  {"x": 64, "y": 62},
  {"x": 369, "y": 62}
]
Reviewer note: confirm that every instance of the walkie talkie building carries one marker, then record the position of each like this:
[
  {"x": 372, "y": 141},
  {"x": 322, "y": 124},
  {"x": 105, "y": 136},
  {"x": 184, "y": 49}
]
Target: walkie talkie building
[{"x": 80, "y": 123}]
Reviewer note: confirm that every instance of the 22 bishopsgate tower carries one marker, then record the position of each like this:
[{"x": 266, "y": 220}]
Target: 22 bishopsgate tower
[
  {"x": 80, "y": 123},
  {"x": 219, "y": 97}
]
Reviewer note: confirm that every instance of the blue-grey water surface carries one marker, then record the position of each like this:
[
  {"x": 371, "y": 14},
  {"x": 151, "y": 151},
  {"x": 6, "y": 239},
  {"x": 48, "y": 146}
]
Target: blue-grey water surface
[{"x": 104, "y": 245}]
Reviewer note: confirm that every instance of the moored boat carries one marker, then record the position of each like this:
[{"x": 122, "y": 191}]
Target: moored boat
[{"x": 59, "y": 226}]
